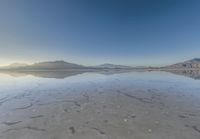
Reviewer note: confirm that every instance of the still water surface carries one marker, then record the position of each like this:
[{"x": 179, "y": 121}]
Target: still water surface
[{"x": 59, "y": 105}]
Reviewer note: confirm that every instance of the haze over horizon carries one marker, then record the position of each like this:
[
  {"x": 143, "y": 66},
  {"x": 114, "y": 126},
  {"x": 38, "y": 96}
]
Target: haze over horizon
[{"x": 92, "y": 32}]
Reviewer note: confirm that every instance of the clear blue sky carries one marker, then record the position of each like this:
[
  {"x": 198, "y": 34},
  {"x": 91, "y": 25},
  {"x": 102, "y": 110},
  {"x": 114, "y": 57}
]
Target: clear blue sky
[{"x": 132, "y": 32}]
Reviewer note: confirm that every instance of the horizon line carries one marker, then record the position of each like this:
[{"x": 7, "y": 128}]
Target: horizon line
[{"x": 40, "y": 61}]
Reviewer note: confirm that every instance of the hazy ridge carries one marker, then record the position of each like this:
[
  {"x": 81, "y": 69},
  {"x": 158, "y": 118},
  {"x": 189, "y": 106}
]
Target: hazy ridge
[{"x": 63, "y": 65}]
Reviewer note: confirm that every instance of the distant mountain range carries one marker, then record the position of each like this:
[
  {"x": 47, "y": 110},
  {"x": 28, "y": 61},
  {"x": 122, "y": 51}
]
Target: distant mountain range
[
  {"x": 55, "y": 65},
  {"x": 62, "y": 65},
  {"x": 112, "y": 66},
  {"x": 16, "y": 65},
  {"x": 59, "y": 65},
  {"x": 190, "y": 64},
  {"x": 50, "y": 65}
]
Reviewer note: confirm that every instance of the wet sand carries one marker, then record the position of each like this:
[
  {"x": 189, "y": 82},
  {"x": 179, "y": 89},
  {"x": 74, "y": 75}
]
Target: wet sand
[{"x": 93, "y": 106}]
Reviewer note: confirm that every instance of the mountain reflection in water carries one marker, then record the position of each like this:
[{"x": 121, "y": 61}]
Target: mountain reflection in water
[
  {"x": 194, "y": 74},
  {"x": 58, "y": 74}
]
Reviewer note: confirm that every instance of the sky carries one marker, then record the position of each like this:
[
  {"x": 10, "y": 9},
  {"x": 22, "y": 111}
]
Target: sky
[{"x": 92, "y": 32}]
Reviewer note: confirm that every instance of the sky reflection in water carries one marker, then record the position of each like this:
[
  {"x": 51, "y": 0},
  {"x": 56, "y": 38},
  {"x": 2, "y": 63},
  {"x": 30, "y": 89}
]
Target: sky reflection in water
[{"x": 16, "y": 83}]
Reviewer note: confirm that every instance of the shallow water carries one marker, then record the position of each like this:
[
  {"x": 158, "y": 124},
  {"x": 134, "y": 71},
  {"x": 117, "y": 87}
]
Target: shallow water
[{"x": 110, "y": 105}]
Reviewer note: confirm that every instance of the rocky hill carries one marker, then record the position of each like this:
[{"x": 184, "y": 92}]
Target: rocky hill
[{"x": 190, "y": 64}]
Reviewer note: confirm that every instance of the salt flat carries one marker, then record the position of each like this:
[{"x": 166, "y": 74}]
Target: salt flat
[{"x": 132, "y": 105}]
